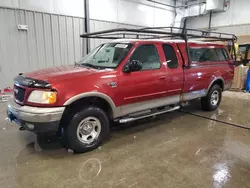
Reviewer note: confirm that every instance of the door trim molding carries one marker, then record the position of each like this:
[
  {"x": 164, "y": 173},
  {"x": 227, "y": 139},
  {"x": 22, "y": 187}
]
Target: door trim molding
[
  {"x": 119, "y": 111},
  {"x": 146, "y": 95},
  {"x": 149, "y": 104},
  {"x": 163, "y": 101}
]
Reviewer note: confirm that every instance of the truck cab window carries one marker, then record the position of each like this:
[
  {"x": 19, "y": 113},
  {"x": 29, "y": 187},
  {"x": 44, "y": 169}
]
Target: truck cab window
[
  {"x": 221, "y": 54},
  {"x": 108, "y": 55},
  {"x": 170, "y": 56},
  {"x": 148, "y": 56},
  {"x": 225, "y": 54},
  {"x": 206, "y": 54}
]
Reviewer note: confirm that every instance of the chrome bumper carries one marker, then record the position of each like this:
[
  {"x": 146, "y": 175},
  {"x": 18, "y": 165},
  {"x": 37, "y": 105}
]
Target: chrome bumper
[{"x": 35, "y": 114}]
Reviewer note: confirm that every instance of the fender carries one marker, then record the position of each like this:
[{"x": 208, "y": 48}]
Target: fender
[
  {"x": 214, "y": 80},
  {"x": 116, "y": 110}
]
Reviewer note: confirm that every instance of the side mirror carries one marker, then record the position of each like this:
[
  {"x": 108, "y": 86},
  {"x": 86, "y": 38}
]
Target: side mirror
[
  {"x": 168, "y": 61},
  {"x": 132, "y": 66}
]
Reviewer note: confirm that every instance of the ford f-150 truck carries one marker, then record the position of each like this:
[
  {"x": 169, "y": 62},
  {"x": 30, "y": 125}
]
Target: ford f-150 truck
[{"x": 120, "y": 81}]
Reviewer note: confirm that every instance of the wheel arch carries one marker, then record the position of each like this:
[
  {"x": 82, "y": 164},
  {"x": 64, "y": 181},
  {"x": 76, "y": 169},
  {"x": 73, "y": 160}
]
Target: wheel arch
[
  {"x": 219, "y": 81},
  {"x": 97, "y": 96}
]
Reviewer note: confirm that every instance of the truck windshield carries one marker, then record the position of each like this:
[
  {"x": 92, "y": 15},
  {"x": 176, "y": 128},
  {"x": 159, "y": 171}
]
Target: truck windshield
[{"x": 108, "y": 55}]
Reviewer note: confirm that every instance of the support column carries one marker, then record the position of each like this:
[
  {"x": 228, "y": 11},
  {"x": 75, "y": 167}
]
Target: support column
[{"x": 86, "y": 26}]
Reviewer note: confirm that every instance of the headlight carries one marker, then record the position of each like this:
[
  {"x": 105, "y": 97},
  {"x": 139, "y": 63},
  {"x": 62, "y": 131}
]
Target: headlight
[{"x": 42, "y": 97}]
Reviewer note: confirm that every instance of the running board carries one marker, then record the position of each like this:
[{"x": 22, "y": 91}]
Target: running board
[{"x": 129, "y": 119}]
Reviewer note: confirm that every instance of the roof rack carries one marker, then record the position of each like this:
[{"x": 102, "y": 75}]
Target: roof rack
[
  {"x": 164, "y": 33},
  {"x": 159, "y": 32}
]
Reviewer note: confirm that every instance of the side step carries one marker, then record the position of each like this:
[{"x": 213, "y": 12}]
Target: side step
[{"x": 129, "y": 119}]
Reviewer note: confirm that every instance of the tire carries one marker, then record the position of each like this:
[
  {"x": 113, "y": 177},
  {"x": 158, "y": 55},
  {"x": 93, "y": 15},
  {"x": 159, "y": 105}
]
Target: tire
[
  {"x": 91, "y": 121},
  {"x": 212, "y": 101}
]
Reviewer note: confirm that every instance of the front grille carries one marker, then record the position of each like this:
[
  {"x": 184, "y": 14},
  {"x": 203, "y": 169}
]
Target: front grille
[{"x": 19, "y": 93}]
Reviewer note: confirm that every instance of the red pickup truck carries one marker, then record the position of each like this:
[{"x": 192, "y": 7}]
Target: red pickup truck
[{"x": 119, "y": 81}]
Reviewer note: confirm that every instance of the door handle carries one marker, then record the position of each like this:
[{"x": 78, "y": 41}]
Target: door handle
[{"x": 162, "y": 77}]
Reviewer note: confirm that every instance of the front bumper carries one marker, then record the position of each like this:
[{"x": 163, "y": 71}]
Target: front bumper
[{"x": 35, "y": 119}]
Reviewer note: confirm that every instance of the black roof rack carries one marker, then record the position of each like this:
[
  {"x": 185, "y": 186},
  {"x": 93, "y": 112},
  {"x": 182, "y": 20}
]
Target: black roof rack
[
  {"x": 163, "y": 33},
  {"x": 159, "y": 32}
]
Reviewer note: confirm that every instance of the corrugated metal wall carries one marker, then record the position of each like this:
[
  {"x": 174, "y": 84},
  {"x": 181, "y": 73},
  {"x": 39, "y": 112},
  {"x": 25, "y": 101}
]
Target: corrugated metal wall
[{"x": 51, "y": 40}]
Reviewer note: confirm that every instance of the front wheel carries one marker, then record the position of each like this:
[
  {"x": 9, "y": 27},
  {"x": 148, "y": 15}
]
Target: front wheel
[
  {"x": 212, "y": 101},
  {"x": 87, "y": 129}
]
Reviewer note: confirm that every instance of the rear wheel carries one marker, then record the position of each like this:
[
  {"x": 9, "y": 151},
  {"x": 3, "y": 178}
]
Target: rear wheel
[
  {"x": 87, "y": 129},
  {"x": 212, "y": 100}
]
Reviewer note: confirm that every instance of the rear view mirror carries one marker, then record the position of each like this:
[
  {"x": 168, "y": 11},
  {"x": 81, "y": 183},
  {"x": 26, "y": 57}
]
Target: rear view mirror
[{"x": 132, "y": 66}]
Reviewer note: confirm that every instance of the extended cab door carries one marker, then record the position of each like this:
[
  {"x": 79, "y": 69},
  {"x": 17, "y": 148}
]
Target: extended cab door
[
  {"x": 140, "y": 89},
  {"x": 174, "y": 70}
]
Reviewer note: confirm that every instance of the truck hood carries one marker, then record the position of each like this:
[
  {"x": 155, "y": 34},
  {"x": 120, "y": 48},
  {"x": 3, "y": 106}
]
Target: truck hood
[{"x": 57, "y": 74}]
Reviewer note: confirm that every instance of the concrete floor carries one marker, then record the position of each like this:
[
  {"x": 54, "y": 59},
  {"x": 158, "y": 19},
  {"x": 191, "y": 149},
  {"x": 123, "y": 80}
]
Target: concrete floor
[{"x": 173, "y": 150}]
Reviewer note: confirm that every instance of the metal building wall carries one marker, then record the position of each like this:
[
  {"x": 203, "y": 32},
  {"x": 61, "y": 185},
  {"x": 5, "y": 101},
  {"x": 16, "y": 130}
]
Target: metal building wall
[
  {"x": 235, "y": 20},
  {"x": 109, "y": 14},
  {"x": 51, "y": 40},
  {"x": 98, "y": 25}
]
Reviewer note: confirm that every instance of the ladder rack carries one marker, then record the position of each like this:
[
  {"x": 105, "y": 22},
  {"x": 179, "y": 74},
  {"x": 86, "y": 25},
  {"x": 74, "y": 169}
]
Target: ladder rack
[{"x": 164, "y": 33}]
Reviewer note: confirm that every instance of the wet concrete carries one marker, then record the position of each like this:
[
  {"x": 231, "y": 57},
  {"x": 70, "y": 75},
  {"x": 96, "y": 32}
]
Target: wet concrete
[{"x": 172, "y": 150}]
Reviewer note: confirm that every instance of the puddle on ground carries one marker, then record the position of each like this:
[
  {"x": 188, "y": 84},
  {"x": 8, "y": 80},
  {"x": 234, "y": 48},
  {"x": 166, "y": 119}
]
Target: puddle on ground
[{"x": 175, "y": 150}]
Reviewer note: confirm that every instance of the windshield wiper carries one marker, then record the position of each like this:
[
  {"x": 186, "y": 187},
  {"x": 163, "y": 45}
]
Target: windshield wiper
[
  {"x": 90, "y": 65},
  {"x": 95, "y": 66}
]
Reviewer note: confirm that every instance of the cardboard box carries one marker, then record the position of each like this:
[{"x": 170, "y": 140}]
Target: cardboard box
[{"x": 240, "y": 74}]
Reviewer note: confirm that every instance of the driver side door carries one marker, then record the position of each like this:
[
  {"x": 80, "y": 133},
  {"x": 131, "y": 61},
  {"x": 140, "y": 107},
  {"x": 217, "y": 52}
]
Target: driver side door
[{"x": 138, "y": 89}]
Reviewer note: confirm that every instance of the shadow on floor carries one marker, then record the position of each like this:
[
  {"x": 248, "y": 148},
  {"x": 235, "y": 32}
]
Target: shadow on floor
[{"x": 50, "y": 144}]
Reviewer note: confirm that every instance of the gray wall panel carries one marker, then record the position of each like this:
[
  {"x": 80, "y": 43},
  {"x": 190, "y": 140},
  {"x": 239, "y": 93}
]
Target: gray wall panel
[
  {"x": 76, "y": 27},
  {"x": 238, "y": 30},
  {"x": 12, "y": 56},
  {"x": 63, "y": 43},
  {"x": 56, "y": 40},
  {"x": 62, "y": 7},
  {"x": 3, "y": 46},
  {"x": 31, "y": 40},
  {"x": 233, "y": 20},
  {"x": 51, "y": 40},
  {"x": 10, "y": 3},
  {"x": 22, "y": 43},
  {"x": 136, "y": 12},
  {"x": 40, "y": 40},
  {"x": 70, "y": 42},
  {"x": 48, "y": 40},
  {"x": 98, "y": 25}
]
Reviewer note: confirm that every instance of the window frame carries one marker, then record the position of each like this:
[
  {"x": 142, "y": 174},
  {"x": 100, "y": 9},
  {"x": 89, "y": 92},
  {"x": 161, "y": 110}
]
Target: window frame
[
  {"x": 223, "y": 53},
  {"x": 218, "y": 59},
  {"x": 226, "y": 54},
  {"x": 136, "y": 47},
  {"x": 178, "y": 64}
]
